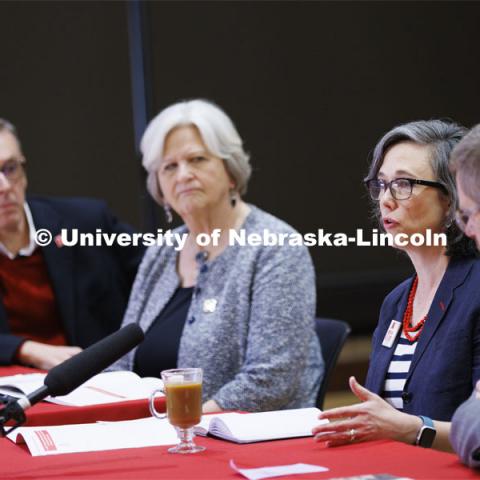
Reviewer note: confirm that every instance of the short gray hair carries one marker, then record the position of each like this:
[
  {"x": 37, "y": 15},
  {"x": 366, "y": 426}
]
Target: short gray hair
[
  {"x": 441, "y": 137},
  {"x": 6, "y": 126},
  {"x": 216, "y": 129},
  {"x": 465, "y": 163}
]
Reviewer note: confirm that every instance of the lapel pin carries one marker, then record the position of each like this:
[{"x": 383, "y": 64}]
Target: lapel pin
[{"x": 210, "y": 305}]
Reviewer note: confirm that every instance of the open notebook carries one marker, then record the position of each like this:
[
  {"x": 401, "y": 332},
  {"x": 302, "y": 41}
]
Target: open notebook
[
  {"x": 107, "y": 387},
  {"x": 259, "y": 427}
]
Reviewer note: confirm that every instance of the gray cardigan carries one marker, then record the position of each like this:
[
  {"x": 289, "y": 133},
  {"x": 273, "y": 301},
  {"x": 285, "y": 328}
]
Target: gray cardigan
[
  {"x": 258, "y": 347},
  {"x": 465, "y": 432}
]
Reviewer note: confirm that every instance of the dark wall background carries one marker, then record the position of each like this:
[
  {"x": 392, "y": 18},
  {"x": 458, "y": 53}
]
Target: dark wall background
[
  {"x": 310, "y": 85},
  {"x": 65, "y": 83}
]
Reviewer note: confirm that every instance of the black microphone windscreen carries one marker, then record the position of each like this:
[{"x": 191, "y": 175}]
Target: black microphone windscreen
[{"x": 70, "y": 374}]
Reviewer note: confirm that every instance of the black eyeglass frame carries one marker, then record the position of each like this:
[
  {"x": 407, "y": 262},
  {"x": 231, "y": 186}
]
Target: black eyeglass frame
[
  {"x": 18, "y": 169},
  {"x": 411, "y": 181}
]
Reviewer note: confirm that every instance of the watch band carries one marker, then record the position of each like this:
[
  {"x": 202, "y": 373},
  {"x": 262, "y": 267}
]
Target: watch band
[
  {"x": 426, "y": 434},
  {"x": 427, "y": 421}
]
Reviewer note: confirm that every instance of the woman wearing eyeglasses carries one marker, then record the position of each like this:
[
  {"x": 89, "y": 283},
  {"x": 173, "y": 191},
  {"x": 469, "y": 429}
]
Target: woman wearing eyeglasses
[{"x": 425, "y": 356}]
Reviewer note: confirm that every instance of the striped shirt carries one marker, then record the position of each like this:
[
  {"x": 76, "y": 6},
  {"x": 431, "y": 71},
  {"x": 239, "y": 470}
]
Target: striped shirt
[{"x": 398, "y": 371}]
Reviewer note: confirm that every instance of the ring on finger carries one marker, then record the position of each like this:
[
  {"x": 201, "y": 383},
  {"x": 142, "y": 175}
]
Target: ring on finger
[{"x": 352, "y": 434}]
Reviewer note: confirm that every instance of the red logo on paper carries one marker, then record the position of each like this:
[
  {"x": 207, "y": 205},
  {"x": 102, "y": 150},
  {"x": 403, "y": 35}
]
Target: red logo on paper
[{"x": 46, "y": 440}]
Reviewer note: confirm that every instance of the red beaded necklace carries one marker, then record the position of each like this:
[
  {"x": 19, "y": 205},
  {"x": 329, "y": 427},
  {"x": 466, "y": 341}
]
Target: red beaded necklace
[{"x": 408, "y": 330}]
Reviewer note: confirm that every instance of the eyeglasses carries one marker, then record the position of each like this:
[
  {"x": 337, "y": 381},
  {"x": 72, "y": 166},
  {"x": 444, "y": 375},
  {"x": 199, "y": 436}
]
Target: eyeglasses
[
  {"x": 12, "y": 170},
  {"x": 400, "y": 188},
  {"x": 462, "y": 217}
]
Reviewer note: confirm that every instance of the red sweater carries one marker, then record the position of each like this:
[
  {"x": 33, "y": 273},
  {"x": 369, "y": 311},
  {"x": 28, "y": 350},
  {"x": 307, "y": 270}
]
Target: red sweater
[{"x": 29, "y": 300}]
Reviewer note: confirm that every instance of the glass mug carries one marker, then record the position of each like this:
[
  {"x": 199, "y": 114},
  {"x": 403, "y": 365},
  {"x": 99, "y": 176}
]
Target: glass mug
[{"x": 183, "y": 389}]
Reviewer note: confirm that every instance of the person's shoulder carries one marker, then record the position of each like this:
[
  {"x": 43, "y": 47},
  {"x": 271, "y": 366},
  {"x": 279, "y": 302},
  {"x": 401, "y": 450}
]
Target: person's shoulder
[
  {"x": 259, "y": 220},
  {"x": 474, "y": 261},
  {"x": 75, "y": 212},
  {"x": 69, "y": 204},
  {"x": 464, "y": 272},
  {"x": 397, "y": 293},
  {"x": 160, "y": 252},
  {"x": 286, "y": 247}
]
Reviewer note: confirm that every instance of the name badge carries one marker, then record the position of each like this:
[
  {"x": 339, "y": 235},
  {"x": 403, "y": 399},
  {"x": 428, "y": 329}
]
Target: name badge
[
  {"x": 391, "y": 334},
  {"x": 209, "y": 305}
]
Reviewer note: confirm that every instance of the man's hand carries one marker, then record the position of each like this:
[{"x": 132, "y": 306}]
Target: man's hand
[{"x": 44, "y": 356}]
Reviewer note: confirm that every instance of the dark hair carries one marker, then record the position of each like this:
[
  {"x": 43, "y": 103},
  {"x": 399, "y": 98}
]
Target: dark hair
[
  {"x": 465, "y": 163},
  {"x": 441, "y": 136}
]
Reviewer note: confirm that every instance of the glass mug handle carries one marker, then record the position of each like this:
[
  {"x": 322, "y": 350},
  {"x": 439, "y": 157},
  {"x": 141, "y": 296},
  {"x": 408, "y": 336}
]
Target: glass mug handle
[{"x": 151, "y": 403}]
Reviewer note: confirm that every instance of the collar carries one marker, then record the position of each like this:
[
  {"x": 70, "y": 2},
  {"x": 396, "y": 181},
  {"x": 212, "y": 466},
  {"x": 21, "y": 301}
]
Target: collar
[{"x": 30, "y": 248}]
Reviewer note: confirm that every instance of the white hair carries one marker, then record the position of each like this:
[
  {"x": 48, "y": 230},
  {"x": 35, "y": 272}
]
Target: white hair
[{"x": 217, "y": 131}]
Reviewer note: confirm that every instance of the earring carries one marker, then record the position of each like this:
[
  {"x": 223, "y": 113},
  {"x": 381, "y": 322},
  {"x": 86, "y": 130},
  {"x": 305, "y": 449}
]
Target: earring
[
  {"x": 233, "y": 198},
  {"x": 168, "y": 213}
]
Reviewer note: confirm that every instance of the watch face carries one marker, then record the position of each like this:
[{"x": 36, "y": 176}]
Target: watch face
[{"x": 427, "y": 436}]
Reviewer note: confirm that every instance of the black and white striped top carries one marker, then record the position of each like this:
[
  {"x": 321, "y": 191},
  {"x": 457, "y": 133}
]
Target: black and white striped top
[{"x": 398, "y": 371}]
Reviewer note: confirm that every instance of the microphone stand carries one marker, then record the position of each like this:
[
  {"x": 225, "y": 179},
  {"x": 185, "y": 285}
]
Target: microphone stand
[
  {"x": 14, "y": 408},
  {"x": 11, "y": 410}
]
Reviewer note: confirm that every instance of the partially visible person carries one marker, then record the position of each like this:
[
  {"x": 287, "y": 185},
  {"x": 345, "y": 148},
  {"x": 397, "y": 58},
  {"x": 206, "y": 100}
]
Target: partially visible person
[
  {"x": 465, "y": 431},
  {"x": 54, "y": 300},
  {"x": 242, "y": 313},
  {"x": 466, "y": 167},
  {"x": 426, "y": 348}
]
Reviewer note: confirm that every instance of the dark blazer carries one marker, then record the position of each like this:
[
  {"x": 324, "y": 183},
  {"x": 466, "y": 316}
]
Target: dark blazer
[
  {"x": 446, "y": 363},
  {"x": 91, "y": 284}
]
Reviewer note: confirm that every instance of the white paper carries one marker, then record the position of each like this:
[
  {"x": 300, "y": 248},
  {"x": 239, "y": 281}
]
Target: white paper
[
  {"x": 107, "y": 387},
  {"x": 26, "y": 383},
  {"x": 254, "y": 427},
  {"x": 277, "y": 471},
  {"x": 92, "y": 437},
  {"x": 110, "y": 387}
]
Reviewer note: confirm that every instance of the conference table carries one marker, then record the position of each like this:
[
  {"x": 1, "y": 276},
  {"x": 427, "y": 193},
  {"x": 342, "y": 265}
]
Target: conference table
[{"x": 156, "y": 463}]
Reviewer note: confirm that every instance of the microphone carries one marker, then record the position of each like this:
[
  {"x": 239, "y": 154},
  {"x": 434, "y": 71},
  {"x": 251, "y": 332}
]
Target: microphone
[{"x": 71, "y": 373}]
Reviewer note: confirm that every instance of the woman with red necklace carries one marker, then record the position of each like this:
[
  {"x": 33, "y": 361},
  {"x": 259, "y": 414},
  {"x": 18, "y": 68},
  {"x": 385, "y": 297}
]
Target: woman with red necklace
[{"x": 426, "y": 348}]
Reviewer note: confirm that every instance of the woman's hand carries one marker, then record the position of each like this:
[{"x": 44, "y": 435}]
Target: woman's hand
[{"x": 372, "y": 419}]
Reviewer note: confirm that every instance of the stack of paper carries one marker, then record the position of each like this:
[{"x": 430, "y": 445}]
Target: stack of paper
[
  {"x": 108, "y": 387},
  {"x": 91, "y": 437},
  {"x": 148, "y": 432}
]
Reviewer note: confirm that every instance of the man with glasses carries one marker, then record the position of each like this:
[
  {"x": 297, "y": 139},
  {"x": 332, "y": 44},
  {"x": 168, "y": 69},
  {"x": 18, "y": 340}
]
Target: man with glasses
[
  {"x": 54, "y": 300},
  {"x": 465, "y": 431}
]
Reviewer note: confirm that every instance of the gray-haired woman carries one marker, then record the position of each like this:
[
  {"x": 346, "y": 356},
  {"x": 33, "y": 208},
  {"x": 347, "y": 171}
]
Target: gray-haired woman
[
  {"x": 426, "y": 348},
  {"x": 243, "y": 313}
]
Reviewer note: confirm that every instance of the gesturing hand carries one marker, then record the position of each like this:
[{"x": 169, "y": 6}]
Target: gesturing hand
[{"x": 372, "y": 419}]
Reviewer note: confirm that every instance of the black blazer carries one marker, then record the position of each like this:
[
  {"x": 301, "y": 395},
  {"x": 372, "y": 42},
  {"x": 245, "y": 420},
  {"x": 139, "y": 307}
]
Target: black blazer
[
  {"x": 446, "y": 362},
  {"x": 91, "y": 284}
]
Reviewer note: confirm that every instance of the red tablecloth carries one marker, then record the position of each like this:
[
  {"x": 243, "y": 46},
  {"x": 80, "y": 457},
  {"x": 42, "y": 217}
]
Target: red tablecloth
[
  {"x": 155, "y": 462},
  {"x": 16, "y": 463},
  {"x": 45, "y": 413}
]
